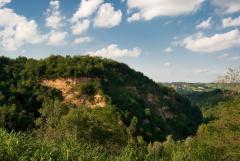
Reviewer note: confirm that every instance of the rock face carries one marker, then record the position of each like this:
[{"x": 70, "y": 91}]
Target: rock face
[{"x": 72, "y": 95}]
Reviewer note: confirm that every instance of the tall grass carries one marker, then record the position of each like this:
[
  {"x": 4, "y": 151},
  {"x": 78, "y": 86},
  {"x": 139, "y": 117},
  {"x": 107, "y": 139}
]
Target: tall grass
[{"x": 24, "y": 147}]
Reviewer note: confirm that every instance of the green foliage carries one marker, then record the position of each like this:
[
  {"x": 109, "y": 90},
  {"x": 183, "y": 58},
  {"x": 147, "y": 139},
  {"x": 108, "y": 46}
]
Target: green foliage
[
  {"x": 190, "y": 88},
  {"x": 138, "y": 117},
  {"x": 223, "y": 131},
  {"x": 89, "y": 89},
  {"x": 10, "y": 118},
  {"x": 16, "y": 146},
  {"x": 209, "y": 99},
  {"x": 60, "y": 121},
  {"x": 22, "y": 147},
  {"x": 191, "y": 150},
  {"x": 160, "y": 111}
]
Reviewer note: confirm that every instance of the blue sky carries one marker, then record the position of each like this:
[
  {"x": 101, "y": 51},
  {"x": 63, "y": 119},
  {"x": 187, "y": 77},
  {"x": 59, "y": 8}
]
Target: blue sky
[{"x": 177, "y": 40}]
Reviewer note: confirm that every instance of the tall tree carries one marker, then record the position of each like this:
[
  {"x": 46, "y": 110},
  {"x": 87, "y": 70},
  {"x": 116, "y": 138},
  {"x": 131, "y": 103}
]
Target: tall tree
[{"x": 231, "y": 79}]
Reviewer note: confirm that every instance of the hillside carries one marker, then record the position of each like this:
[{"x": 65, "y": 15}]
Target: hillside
[
  {"x": 222, "y": 130},
  {"x": 216, "y": 140},
  {"x": 204, "y": 95},
  {"x": 60, "y": 94},
  {"x": 188, "y": 88}
]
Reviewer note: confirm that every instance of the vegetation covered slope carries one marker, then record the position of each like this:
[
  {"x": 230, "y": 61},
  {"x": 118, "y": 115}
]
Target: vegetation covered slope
[
  {"x": 205, "y": 95},
  {"x": 217, "y": 140},
  {"x": 209, "y": 99},
  {"x": 135, "y": 105},
  {"x": 223, "y": 129}
]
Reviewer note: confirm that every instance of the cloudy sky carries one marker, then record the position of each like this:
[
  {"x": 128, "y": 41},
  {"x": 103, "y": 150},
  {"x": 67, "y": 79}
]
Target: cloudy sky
[{"x": 167, "y": 40}]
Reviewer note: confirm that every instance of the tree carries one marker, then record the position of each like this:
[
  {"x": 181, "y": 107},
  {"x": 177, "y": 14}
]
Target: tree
[
  {"x": 231, "y": 79},
  {"x": 131, "y": 130}
]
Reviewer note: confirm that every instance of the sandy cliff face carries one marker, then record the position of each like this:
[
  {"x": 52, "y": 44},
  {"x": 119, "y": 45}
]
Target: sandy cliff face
[{"x": 71, "y": 95}]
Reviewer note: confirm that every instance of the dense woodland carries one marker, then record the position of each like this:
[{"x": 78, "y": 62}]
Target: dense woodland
[{"x": 142, "y": 120}]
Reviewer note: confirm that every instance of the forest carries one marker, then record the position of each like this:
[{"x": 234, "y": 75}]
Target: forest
[{"x": 89, "y": 108}]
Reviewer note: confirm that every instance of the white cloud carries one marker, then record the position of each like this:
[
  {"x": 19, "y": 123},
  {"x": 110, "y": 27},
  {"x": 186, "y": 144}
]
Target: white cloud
[
  {"x": 167, "y": 64},
  {"x": 134, "y": 17},
  {"x": 235, "y": 58},
  {"x": 80, "y": 27},
  {"x": 217, "y": 42},
  {"x": 168, "y": 50},
  {"x": 86, "y": 9},
  {"x": 225, "y": 55},
  {"x": 81, "y": 40},
  {"x": 201, "y": 72},
  {"x": 168, "y": 22},
  {"x": 205, "y": 24},
  {"x": 227, "y": 6},
  {"x": 80, "y": 19},
  {"x": 57, "y": 38},
  {"x": 107, "y": 17},
  {"x": 229, "y": 22},
  {"x": 16, "y": 30},
  {"x": 54, "y": 18},
  {"x": 112, "y": 51},
  {"x": 4, "y": 2},
  {"x": 149, "y": 9}
]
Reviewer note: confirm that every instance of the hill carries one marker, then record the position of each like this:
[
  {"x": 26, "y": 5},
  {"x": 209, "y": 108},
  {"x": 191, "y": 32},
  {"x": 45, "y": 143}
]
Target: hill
[
  {"x": 90, "y": 98},
  {"x": 216, "y": 140},
  {"x": 188, "y": 88},
  {"x": 204, "y": 95}
]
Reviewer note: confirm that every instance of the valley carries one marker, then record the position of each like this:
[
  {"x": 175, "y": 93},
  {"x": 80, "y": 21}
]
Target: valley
[{"x": 69, "y": 105}]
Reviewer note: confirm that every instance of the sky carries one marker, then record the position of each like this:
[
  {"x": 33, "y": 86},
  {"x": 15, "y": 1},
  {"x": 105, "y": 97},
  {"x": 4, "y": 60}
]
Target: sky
[{"x": 167, "y": 40}]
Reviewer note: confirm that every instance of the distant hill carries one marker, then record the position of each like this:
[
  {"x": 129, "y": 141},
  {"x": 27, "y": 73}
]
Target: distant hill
[
  {"x": 204, "y": 95},
  {"x": 186, "y": 88},
  {"x": 112, "y": 98}
]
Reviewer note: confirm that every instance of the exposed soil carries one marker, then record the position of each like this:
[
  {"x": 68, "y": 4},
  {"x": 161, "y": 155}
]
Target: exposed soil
[{"x": 66, "y": 86}]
